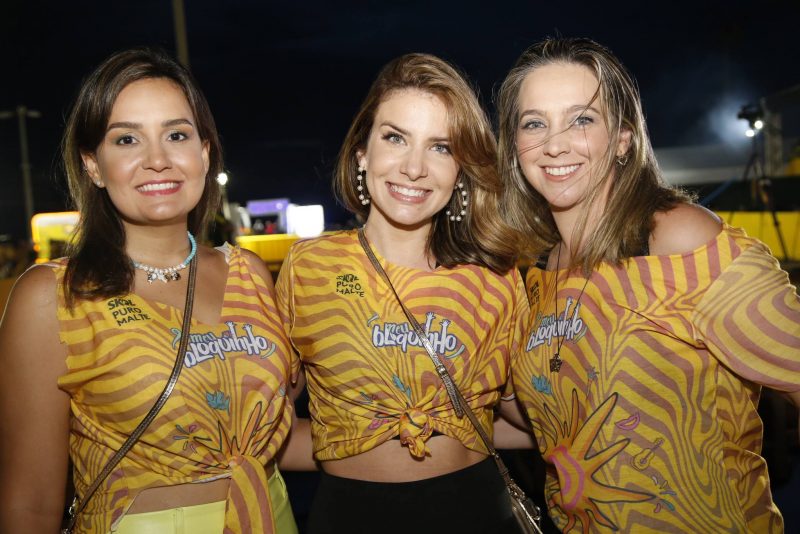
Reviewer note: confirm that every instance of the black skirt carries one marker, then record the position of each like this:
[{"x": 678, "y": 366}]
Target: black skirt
[{"x": 473, "y": 500}]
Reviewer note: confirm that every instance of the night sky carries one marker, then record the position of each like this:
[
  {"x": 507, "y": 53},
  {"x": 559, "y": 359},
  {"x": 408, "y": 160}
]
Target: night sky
[{"x": 285, "y": 78}]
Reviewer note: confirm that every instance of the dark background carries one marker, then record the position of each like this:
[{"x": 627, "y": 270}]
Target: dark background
[{"x": 285, "y": 78}]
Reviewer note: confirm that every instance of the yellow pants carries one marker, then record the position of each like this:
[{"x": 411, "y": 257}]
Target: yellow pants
[{"x": 206, "y": 518}]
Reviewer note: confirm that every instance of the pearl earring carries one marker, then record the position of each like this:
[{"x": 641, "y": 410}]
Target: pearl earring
[
  {"x": 363, "y": 194},
  {"x": 462, "y": 198}
]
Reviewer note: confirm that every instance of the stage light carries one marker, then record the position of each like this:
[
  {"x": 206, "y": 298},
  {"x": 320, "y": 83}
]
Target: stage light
[
  {"x": 305, "y": 221},
  {"x": 752, "y": 114}
]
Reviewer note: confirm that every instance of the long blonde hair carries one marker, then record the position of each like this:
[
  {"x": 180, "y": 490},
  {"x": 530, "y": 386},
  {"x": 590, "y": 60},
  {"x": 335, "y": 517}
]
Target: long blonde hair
[{"x": 637, "y": 190}]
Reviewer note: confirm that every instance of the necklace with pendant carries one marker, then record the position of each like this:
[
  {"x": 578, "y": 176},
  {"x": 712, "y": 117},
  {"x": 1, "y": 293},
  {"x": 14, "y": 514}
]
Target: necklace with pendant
[
  {"x": 167, "y": 274},
  {"x": 556, "y": 362}
]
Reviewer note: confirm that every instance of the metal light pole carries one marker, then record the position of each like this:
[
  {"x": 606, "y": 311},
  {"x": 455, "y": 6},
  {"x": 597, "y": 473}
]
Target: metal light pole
[
  {"x": 22, "y": 114},
  {"x": 181, "y": 42}
]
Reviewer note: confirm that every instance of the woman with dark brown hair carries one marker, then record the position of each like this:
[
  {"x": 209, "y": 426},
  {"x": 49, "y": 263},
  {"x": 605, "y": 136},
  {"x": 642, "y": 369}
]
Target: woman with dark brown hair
[
  {"x": 418, "y": 165},
  {"x": 90, "y": 342},
  {"x": 652, "y": 324}
]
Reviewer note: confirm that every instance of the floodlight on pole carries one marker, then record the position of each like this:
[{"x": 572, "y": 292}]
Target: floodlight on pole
[
  {"x": 181, "y": 41},
  {"x": 754, "y": 116}
]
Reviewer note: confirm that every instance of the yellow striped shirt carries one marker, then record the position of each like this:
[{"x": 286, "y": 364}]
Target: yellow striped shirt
[
  {"x": 227, "y": 416},
  {"x": 651, "y": 423},
  {"x": 369, "y": 377}
]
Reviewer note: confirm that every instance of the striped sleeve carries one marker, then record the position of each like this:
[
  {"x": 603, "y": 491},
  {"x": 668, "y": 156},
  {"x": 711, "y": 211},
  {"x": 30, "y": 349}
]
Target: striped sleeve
[
  {"x": 749, "y": 319},
  {"x": 284, "y": 302},
  {"x": 284, "y": 294}
]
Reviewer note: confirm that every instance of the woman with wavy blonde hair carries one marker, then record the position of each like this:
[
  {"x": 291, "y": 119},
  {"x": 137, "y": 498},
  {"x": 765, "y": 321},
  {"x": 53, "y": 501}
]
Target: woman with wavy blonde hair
[
  {"x": 652, "y": 323},
  {"x": 418, "y": 165}
]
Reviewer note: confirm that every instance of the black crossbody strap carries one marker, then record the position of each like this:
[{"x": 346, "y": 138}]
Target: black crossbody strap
[{"x": 78, "y": 505}]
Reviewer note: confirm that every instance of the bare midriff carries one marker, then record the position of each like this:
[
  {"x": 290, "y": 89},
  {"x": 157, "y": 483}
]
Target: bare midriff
[
  {"x": 391, "y": 462},
  {"x": 181, "y": 495}
]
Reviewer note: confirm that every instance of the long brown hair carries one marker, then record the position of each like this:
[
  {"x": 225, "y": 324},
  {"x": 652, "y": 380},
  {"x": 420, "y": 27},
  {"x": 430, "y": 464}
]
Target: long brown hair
[
  {"x": 482, "y": 237},
  {"x": 98, "y": 264},
  {"x": 637, "y": 190}
]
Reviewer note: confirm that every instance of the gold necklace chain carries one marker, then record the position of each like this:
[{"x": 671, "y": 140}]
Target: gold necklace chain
[{"x": 556, "y": 361}]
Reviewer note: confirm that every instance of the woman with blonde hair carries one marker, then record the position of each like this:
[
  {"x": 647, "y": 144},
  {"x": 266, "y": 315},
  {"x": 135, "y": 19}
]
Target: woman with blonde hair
[
  {"x": 652, "y": 325},
  {"x": 418, "y": 165}
]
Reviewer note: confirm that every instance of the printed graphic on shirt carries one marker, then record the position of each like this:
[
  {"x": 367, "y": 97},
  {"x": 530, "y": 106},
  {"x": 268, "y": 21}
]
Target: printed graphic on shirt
[
  {"x": 534, "y": 294},
  {"x": 548, "y": 328},
  {"x": 568, "y": 446},
  {"x": 125, "y": 310},
  {"x": 402, "y": 335},
  {"x": 665, "y": 493},
  {"x": 349, "y": 284},
  {"x": 187, "y": 436},
  {"x": 206, "y": 346},
  {"x": 219, "y": 401},
  {"x": 542, "y": 384}
]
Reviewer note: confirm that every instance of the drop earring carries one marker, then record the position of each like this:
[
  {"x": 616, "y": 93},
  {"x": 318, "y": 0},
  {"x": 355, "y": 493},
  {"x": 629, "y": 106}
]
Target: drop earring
[
  {"x": 461, "y": 201},
  {"x": 363, "y": 194}
]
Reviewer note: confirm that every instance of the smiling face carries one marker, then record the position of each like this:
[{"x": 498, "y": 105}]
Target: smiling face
[
  {"x": 562, "y": 139},
  {"x": 151, "y": 159},
  {"x": 410, "y": 170}
]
